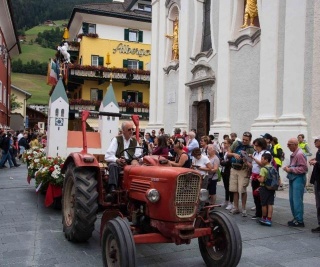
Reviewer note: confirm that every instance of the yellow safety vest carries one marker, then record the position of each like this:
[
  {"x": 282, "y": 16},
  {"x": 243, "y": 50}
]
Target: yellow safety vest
[
  {"x": 275, "y": 151},
  {"x": 303, "y": 147}
]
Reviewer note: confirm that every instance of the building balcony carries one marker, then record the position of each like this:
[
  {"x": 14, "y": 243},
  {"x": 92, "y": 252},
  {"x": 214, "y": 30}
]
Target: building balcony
[
  {"x": 126, "y": 109},
  {"x": 102, "y": 74}
]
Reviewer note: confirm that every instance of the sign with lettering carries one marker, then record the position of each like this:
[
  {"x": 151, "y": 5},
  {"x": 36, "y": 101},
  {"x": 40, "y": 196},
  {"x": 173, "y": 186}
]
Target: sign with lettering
[{"x": 126, "y": 49}]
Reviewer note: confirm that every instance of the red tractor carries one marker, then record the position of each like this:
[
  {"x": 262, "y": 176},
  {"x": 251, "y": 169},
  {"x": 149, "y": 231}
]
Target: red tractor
[{"x": 155, "y": 203}]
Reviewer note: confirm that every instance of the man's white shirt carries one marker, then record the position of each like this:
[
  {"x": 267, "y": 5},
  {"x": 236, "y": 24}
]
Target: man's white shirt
[{"x": 112, "y": 150}]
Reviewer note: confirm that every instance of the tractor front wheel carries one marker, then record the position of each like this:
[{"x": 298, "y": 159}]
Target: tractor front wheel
[
  {"x": 118, "y": 247},
  {"x": 223, "y": 247},
  {"x": 79, "y": 203}
]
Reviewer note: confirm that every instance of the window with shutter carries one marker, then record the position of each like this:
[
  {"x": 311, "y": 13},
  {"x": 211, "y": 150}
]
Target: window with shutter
[
  {"x": 126, "y": 34},
  {"x": 85, "y": 27},
  {"x": 125, "y": 63},
  {"x": 100, "y": 61},
  {"x": 140, "y": 65},
  {"x": 141, "y": 36},
  {"x": 92, "y": 28},
  {"x": 95, "y": 61},
  {"x": 133, "y": 64}
]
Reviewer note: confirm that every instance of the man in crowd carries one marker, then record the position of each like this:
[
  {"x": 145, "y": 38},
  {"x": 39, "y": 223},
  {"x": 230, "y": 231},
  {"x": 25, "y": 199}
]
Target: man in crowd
[
  {"x": 315, "y": 180},
  {"x": 296, "y": 174},
  {"x": 239, "y": 178},
  {"x": 304, "y": 145},
  {"x": 117, "y": 159},
  {"x": 268, "y": 137}
]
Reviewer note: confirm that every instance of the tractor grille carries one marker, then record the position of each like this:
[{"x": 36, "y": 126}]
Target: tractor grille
[
  {"x": 140, "y": 186},
  {"x": 188, "y": 186}
]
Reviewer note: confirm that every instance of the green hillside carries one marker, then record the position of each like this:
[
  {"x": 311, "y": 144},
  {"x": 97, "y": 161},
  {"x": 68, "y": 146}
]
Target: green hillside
[{"x": 33, "y": 84}]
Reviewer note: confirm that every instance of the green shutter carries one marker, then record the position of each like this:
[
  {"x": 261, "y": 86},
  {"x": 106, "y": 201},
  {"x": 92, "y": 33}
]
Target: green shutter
[
  {"x": 85, "y": 27},
  {"x": 100, "y": 94},
  {"x": 124, "y": 95},
  {"x": 140, "y": 98},
  {"x": 141, "y": 36},
  {"x": 140, "y": 65},
  {"x": 100, "y": 61},
  {"x": 126, "y": 34},
  {"x": 125, "y": 63}
]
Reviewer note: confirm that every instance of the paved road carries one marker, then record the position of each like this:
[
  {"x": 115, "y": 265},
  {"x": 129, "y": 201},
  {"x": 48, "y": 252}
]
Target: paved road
[{"x": 31, "y": 235}]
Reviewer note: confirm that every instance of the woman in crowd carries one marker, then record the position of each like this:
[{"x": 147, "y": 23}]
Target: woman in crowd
[
  {"x": 160, "y": 146},
  {"x": 204, "y": 142},
  {"x": 260, "y": 146},
  {"x": 34, "y": 141},
  {"x": 181, "y": 158},
  {"x": 278, "y": 155},
  {"x": 225, "y": 172},
  {"x": 213, "y": 174},
  {"x": 202, "y": 164}
]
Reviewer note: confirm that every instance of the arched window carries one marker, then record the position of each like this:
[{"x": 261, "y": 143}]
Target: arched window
[
  {"x": 62, "y": 113},
  {"x": 57, "y": 112},
  {"x": 206, "y": 36}
]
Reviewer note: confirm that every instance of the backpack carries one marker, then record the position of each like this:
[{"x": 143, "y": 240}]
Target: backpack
[
  {"x": 282, "y": 156},
  {"x": 238, "y": 150},
  {"x": 273, "y": 179}
]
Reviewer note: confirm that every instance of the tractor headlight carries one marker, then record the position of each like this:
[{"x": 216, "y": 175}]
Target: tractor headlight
[
  {"x": 153, "y": 195},
  {"x": 203, "y": 195}
]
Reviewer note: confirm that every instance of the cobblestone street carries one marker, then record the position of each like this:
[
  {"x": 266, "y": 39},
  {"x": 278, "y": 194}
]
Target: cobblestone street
[{"x": 31, "y": 235}]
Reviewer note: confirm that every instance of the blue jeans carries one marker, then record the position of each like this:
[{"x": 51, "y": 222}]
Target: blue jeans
[
  {"x": 6, "y": 156},
  {"x": 296, "y": 191}
]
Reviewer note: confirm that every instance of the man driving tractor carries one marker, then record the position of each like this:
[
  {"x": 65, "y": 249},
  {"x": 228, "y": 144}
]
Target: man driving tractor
[{"x": 118, "y": 155}]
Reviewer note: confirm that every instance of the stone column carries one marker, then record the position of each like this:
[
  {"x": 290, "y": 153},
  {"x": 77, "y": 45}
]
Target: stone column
[
  {"x": 294, "y": 62},
  {"x": 182, "y": 100},
  {"x": 315, "y": 118},
  {"x": 269, "y": 24},
  {"x": 221, "y": 122},
  {"x": 153, "y": 108}
]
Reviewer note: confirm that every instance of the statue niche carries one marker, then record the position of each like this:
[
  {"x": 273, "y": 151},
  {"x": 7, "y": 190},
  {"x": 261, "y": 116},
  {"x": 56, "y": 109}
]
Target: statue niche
[
  {"x": 175, "y": 40},
  {"x": 250, "y": 12}
]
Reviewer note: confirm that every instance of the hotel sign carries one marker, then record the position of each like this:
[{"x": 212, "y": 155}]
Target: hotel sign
[{"x": 126, "y": 49}]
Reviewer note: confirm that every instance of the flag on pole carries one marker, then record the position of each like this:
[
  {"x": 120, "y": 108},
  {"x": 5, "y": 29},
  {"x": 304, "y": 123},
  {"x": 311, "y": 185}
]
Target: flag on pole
[{"x": 52, "y": 75}]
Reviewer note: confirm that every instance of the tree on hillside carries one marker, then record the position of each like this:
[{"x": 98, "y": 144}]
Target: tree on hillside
[
  {"x": 14, "y": 104},
  {"x": 30, "y": 13}
]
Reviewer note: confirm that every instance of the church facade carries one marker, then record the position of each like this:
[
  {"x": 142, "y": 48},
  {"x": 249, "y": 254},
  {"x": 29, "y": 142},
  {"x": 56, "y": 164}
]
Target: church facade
[{"x": 235, "y": 66}]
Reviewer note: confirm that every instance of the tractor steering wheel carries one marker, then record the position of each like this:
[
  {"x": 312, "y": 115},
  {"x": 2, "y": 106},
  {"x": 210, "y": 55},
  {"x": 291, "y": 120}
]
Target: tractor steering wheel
[{"x": 132, "y": 156}]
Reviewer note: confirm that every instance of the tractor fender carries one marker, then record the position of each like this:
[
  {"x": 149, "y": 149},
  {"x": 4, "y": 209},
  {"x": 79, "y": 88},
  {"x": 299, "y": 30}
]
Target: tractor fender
[
  {"x": 107, "y": 216},
  {"x": 80, "y": 160}
]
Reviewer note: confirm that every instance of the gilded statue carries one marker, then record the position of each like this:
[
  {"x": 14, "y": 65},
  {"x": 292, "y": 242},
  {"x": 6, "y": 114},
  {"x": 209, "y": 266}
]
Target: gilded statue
[
  {"x": 251, "y": 11},
  {"x": 175, "y": 40}
]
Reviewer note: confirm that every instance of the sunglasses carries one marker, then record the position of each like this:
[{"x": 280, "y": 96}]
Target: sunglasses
[
  {"x": 130, "y": 129},
  {"x": 290, "y": 144},
  {"x": 316, "y": 140},
  {"x": 247, "y": 134}
]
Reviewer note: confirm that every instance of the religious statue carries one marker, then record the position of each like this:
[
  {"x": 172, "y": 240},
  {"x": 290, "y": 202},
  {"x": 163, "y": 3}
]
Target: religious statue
[
  {"x": 175, "y": 40},
  {"x": 251, "y": 11},
  {"x": 63, "y": 48}
]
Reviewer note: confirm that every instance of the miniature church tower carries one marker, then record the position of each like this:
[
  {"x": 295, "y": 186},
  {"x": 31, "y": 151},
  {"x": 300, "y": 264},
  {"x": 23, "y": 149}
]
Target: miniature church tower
[
  {"x": 108, "y": 126},
  {"x": 58, "y": 122}
]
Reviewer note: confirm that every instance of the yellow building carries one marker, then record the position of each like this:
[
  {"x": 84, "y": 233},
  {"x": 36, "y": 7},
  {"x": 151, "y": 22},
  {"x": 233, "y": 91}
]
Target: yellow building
[
  {"x": 110, "y": 41},
  {"x": 18, "y": 116}
]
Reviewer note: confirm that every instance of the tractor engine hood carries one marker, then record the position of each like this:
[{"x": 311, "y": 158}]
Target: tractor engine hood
[{"x": 178, "y": 189}]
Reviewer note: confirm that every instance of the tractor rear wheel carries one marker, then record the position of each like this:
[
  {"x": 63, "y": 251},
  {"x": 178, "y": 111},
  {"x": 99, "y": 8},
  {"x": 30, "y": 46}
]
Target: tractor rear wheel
[
  {"x": 223, "y": 247},
  {"x": 118, "y": 247},
  {"x": 79, "y": 203}
]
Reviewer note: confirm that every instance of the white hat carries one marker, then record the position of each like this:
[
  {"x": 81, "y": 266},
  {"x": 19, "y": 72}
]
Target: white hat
[{"x": 316, "y": 137}]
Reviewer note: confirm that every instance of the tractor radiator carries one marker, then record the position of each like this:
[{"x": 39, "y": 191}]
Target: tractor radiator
[{"x": 187, "y": 193}]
